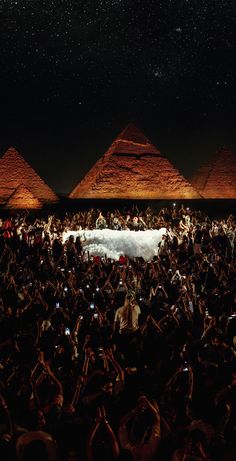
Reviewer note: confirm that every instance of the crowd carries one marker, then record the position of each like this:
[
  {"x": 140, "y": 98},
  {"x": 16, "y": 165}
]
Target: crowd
[{"x": 118, "y": 360}]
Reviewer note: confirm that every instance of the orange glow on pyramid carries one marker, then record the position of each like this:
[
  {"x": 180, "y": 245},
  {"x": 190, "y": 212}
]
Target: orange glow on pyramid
[
  {"x": 15, "y": 171},
  {"x": 133, "y": 168},
  {"x": 217, "y": 178},
  {"x": 22, "y": 198}
]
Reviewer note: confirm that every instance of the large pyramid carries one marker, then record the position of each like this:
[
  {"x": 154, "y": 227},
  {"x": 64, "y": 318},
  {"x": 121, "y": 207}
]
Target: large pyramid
[
  {"x": 217, "y": 178},
  {"x": 22, "y": 198},
  {"x": 15, "y": 172},
  {"x": 133, "y": 168}
]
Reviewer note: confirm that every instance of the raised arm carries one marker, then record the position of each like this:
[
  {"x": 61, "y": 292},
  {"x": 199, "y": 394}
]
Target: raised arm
[
  {"x": 59, "y": 387},
  {"x": 110, "y": 433},
  {"x": 112, "y": 440},
  {"x": 9, "y": 424}
]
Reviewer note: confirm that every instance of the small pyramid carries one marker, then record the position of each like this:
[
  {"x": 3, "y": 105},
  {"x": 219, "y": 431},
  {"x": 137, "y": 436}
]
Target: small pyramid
[
  {"x": 217, "y": 178},
  {"x": 22, "y": 198},
  {"x": 133, "y": 168},
  {"x": 14, "y": 171}
]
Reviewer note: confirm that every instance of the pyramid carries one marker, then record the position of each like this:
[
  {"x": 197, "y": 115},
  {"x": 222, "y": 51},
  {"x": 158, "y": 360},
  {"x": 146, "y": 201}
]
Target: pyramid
[
  {"x": 217, "y": 178},
  {"x": 23, "y": 198},
  {"x": 133, "y": 168},
  {"x": 15, "y": 171}
]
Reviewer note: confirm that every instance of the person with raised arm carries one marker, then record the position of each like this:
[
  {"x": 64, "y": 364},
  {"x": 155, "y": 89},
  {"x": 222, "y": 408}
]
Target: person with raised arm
[
  {"x": 143, "y": 437},
  {"x": 108, "y": 437}
]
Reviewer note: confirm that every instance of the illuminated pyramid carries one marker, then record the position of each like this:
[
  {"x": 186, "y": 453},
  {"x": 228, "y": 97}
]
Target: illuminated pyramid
[
  {"x": 23, "y": 198},
  {"x": 217, "y": 178},
  {"x": 133, "y": 168},
  {"x": 15, "y": 172}
]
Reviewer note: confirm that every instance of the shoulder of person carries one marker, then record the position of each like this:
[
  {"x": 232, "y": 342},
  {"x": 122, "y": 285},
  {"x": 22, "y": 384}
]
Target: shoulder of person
[{"x": 118, "y": 311}]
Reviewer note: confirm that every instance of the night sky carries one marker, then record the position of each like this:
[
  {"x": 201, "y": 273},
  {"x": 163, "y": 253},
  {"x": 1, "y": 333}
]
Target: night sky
[{"x": 74, "y": 73}]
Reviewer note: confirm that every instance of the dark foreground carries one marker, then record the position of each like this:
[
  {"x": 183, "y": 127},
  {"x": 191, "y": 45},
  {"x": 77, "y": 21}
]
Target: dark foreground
[{"x": 126, "y": 360}]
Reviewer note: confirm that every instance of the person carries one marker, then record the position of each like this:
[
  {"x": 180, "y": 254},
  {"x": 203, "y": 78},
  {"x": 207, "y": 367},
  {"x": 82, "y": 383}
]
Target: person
[
  {"x": 197, "y": 240},
  {"x": 143, "y": 437},
  {"x": 126, "y": 325},
  {"x": 80, "y": 333},
  {"x": 135, "y": 223},
  {"x": 111, "y": 440},
  {"x": 115, "y": 223},
  {"x": 37, "y": 445},
  {"x": 71, "y": 250},
  {"x": 127, "y": 317},
  {"x": 101, "y": 222},
  {"x": 231, "y": 240}
]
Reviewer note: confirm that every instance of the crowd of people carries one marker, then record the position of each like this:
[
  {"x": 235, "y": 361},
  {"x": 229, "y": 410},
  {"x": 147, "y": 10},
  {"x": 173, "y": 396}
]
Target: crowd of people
[{"x": 118, "y": 360}]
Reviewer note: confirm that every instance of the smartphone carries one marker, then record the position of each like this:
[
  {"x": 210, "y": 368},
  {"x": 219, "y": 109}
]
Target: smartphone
[
  {"x": 92, "y": 305},
  {"x": 57, "y": 305},
  {"x": 232, "y": 316},
  {"x": 67, "y": 331}
]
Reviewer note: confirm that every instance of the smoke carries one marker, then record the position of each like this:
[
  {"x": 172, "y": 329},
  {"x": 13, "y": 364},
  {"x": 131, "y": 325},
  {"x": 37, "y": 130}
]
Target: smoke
[{"x": 116, "y": 243}]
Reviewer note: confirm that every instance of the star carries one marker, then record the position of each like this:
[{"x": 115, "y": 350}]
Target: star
[
  {"x": 106, "y": 60},
  {"x": 157, "y": 73}
]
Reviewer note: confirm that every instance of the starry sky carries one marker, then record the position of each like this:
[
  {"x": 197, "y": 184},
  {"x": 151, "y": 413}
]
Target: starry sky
[{"x": 74, "y": 73}]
